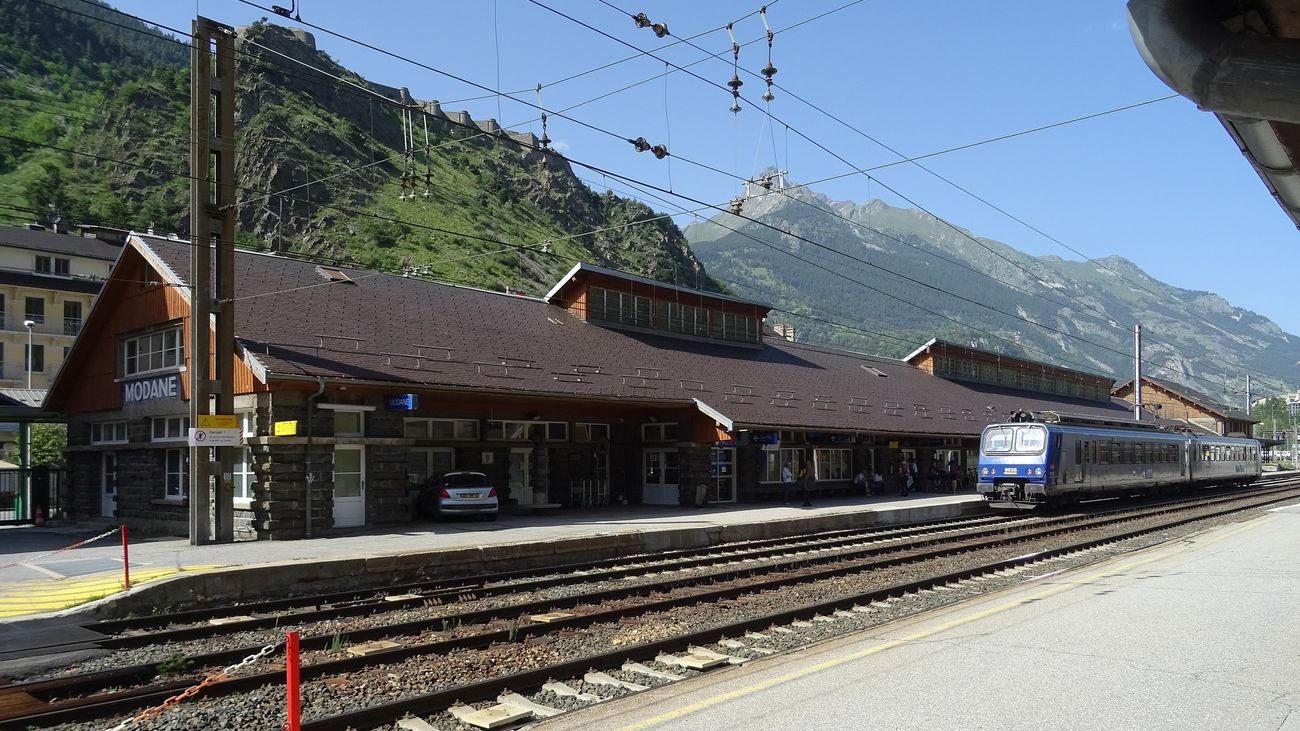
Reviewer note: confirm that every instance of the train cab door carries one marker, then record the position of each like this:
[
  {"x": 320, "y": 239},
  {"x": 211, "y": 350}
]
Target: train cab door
[
  {"x": 1082, "y": 457},
  {"x": 1056, "y": 462}
]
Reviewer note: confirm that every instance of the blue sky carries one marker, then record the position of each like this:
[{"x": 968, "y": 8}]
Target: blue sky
[{"x": 1162, "y": 185}]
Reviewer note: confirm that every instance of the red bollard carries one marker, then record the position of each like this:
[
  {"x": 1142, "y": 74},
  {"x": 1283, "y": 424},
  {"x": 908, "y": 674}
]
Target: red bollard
[
  {"x": 294, "y": 713},
  {"x": 126, "y": 560}
]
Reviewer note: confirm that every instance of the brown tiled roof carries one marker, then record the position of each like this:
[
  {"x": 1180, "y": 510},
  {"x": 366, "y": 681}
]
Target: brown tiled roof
[
  {"x": 46, "y": 241},
  {"x": 411, "y": 332}
]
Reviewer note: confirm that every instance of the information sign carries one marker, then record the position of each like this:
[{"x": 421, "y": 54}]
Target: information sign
[
  {"x": 214, "y": 437},
  {"x": 285, "y": 428},
  {"x": 218, "y": 421}
]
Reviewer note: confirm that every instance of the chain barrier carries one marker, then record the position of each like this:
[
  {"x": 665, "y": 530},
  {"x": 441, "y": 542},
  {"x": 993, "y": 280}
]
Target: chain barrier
[
  {"x": 193, "y": 690},
  {"x": 78, "y": 544}
]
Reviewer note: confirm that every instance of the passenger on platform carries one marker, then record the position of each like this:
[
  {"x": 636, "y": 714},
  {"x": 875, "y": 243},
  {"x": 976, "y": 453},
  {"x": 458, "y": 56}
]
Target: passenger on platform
[
  {"x": 914, "y": 473},
  {"x": 787, "y": 483},
  {"x": 937, "y": 476},
  {"x": 954, "y": 474},
  {"x": 877, "y": 484},
  {"x": 806, "y": 484},
  {"x": 904, "y": 479},
  {"x": 860, "y": 482}
]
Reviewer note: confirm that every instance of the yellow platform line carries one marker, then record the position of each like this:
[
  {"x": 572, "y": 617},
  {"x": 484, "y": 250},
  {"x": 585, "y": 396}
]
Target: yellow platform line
[{"x": 47, "y": 595}]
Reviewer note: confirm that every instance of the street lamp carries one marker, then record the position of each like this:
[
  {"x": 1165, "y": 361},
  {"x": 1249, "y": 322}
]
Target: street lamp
[{"x": 29, "y": 324}]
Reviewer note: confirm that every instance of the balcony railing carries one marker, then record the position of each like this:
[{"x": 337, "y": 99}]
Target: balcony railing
[{"x": 13, "y": 322}]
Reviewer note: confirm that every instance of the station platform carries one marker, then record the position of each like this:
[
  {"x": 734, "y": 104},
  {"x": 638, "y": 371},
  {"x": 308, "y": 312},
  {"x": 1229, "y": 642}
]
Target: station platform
[{"x": 170, "y": 572}]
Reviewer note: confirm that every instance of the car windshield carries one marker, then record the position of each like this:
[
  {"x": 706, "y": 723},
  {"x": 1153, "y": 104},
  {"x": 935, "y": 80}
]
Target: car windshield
[{"x": 465, "y": 479}]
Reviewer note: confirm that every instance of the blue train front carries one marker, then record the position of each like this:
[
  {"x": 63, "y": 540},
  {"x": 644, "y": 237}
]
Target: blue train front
[{"x": 1015, "y": 465}]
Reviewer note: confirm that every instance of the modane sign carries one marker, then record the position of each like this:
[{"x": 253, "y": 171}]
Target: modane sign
[{"x": 148, "y": 389}]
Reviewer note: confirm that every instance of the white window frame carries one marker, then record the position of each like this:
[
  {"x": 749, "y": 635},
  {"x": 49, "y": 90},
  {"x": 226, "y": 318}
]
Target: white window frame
[
  {"x": 839, "y": 463},
  {"x": 772, "y": 469},
  {"x": 648, "y": 431},
  {"x": 176, "y": 482},
  {"x": 174, "y": 428},
  {"x": 168, "y": 348},
  {"x": 118, "y": 435},
  {"x": 463, "y": 430},
  {"x": 587, "y": 431},
  {"x": 513, "y": 430},
  {"x": 243, "y": 467}
]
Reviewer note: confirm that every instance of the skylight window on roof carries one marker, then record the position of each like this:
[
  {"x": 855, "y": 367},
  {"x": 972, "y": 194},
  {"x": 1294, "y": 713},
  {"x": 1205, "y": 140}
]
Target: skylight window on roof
[
  {"x": 874, "y": 371},
  {"x": 334, "y": 275}
]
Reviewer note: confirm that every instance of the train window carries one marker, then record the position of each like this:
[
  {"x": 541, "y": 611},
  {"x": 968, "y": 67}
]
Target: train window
[
  {"x": 1078, "y": 451},
  {"x": 1128, "y": 453},
  {"x": 997, "y": 440},
  {"x": 1030, "y": 439}
]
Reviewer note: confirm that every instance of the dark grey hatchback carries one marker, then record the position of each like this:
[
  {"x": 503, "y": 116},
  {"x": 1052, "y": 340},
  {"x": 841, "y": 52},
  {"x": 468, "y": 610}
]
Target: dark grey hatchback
[{"x": 459, "y": 493}]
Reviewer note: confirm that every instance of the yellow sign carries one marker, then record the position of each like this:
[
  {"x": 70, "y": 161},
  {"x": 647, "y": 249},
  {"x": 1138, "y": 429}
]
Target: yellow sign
[
  {"x": 893, "y": 445},
  {"x": 286, "y": 428},
  {"x": 218, "y": 421}
]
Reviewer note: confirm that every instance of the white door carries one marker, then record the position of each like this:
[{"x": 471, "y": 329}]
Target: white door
[
  {"x": 349, "y": 486},
  {"x": 521, "y": 475},
  {"x": 108, "y": 485},
  {"x": 661, "y": 475}
]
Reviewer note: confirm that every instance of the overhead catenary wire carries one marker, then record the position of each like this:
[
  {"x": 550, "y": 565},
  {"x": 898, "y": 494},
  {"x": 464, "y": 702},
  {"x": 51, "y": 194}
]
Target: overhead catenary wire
[{"x": 336, "y": 34}]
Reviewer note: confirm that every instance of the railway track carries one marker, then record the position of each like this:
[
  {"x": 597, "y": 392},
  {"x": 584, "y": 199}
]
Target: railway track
[{"x": 503, "y": 629}]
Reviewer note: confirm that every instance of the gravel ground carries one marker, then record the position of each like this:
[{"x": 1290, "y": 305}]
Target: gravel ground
[{"x": 375, "y": 685}]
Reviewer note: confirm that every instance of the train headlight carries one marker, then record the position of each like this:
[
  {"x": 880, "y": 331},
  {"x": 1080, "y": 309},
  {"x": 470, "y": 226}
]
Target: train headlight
[
  {"x": 984, "y": 471},
  {"x": 1038, "y": 471}
]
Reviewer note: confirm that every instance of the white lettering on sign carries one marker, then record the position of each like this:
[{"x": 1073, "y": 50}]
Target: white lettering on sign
[{"x": 152, "y": 388}]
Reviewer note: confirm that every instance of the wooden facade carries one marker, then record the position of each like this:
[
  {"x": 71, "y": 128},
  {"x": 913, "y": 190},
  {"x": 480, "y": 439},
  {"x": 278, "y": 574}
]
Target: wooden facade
[{"x": 1171, "y": 403}]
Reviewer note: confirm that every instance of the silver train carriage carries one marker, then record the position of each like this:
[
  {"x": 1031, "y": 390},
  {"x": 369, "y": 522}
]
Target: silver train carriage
[{"x": 1052, "y": 459}]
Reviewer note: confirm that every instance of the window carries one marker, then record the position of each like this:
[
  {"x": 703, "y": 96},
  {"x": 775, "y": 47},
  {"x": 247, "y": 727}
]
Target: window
[
  {"x": 44, "y": 265},
  {"x": 34, "y": 358},
  {"x": 71, "y": 318},
  {"x": 62, "y": 267},
  {"x": 34, "y": 308},
  {"x": 590, "y": 432},
  {"x": 659, "y": 432},
  {"x": 243, "y": 476},
  {"x": 349, "y": 423},
  {"x": 997, "y": 440},
  {"x": 169, "y": 428},
  {"x": 522, "y": 431},
  {"x": 833, "y": 464},
  {"x": 680, "y": 318},
  {"x": 621, "y": 307},
  {"x": 176, "y": 474},
  {"x": 442, "y": 429},
  {"x": 777, "y": 457},
  {"x": 108, "y": 432},
  {"x": 1030, "y": 439},
  {"x": 151, "y": 352},
  {"x": 421, "y": 464}
]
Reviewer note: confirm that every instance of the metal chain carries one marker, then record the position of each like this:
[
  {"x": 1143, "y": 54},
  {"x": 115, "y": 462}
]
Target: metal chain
[
  {"x": 78, "y": 544},
  {"x": 190, "y": 692}
]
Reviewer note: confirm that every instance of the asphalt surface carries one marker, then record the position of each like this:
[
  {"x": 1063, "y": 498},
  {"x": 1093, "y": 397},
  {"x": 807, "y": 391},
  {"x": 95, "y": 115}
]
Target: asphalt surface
[{"x": 1200, "y": 633}]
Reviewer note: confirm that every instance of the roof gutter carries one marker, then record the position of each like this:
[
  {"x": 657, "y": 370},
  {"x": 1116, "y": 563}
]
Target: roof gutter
[{"x": 1249, "y": 80}]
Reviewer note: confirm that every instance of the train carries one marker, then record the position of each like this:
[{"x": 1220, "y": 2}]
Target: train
[{"x": 1050, "y": 459}]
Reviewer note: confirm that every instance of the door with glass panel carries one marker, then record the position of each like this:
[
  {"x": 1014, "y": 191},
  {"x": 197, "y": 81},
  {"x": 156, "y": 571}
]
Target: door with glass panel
[
  {"x": 521, "y": 475},
  {"x": 349, "y": 486},
  {"x": 108, "y": 485},
  {"x": 661, "y": 475},
  {"x": 722, "y": 475}
]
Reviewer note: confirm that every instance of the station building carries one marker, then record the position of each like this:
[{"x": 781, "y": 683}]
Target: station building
[
  {"x": 1177, "y": 402},
  {"x": 354, "y": 386}
]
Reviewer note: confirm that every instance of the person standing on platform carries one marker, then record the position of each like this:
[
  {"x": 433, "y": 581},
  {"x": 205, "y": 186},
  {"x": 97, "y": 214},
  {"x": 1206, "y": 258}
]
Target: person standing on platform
[
  {"x": 914, "y": 474},
  {"x": 787, "y": 483},
  {"x": 861, "y": 482},
  {"x": 806, "y": 484}
]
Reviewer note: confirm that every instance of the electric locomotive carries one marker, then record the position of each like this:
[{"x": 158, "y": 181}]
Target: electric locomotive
[{"x": 1048, "y": 458}]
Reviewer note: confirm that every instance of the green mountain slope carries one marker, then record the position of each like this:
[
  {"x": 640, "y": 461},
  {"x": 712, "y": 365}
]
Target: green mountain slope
[
  {"x": 1085, "y": 309},
  {"x": 322, "y": 165}
]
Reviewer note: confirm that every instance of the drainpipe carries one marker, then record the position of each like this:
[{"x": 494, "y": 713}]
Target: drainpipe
[{"x": 311, "y": 411}]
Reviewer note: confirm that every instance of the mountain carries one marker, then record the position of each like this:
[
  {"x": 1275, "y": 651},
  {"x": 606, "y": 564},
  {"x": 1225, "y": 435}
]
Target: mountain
[
  {"x": 321, "y": 163},
  {"x": 977, "y": 291}
]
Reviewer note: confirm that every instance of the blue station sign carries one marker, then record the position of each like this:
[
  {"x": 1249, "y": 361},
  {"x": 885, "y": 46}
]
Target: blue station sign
[
  {"x": 402, "y": 402},
  {"x": 150, "y": 389}
]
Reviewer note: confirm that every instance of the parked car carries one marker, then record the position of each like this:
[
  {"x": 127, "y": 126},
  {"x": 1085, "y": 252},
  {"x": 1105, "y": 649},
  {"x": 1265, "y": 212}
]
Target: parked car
[{"x": 459, "y": 493}]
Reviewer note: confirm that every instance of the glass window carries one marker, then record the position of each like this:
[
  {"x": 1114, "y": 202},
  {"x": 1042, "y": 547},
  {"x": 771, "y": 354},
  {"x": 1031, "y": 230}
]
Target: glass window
[
  {"x": 348, "y": 423},
  {"x": 590, "y": 432},
  {"x": 997, "y": 440},
  {"x": 659, "y": 432},
  {"x": 521, "y": 431},
  {"x": 177, "y": 473},
  {"x": 34, "y": 358},
  {"x": 421, "y": 464},
  {"x": 777, "y": 457},
  {"x": 1030, "y": 439},
  {"x": 108, "y": 432},
  {"x": 833, "y": 464},
  {"x": 43, "y": 264},
  {"x": 169, "y": 428},
  {"x": 62, "y": 267},
  {"x": 151, "y": 351}
]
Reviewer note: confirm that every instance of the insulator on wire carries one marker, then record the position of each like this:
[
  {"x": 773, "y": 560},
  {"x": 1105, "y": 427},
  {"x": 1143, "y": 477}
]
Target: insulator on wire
[
  {"x": 737, "y": 205},
  {"x": 769, "y": 70},
  {"x": 735, "y": 82},
  {"x": 544, "y": 141},
  {"x": 640, "y": 144},
  {"x": 660, "y": 29},
  {"x": 643, "y": 21},
  {"x": 659, "y": 151}
]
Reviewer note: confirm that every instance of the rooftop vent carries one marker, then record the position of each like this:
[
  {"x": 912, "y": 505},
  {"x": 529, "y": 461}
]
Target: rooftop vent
[
  {"x": 874, "y": 371},
  {"x": 334, "y": 275}
]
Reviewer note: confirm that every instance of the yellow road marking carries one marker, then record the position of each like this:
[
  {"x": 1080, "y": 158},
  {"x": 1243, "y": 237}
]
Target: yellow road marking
[
  {"x": 922, "y": 634},
  {"x": 37, "y": 595}
]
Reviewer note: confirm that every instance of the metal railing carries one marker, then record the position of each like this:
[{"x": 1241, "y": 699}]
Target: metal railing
[
  {"x": 20, "y": 502},
  {"x": 13, "y": 321}
]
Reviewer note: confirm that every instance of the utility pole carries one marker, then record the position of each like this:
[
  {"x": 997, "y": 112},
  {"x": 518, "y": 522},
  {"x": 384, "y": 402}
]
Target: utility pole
[
  {"x": 212, "y": 226},
  {"x": 1137, "y": 372}
]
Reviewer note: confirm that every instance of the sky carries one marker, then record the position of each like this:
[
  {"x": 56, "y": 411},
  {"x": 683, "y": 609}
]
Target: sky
[{"x": 1162, "y": 184}]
